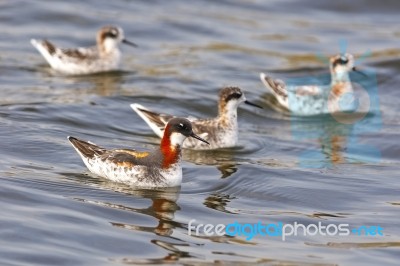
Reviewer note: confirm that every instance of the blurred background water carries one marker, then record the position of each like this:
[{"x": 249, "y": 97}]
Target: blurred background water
[{"x": 285, "y": 169}]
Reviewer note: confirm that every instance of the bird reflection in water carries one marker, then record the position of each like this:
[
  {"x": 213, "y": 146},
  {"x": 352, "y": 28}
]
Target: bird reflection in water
[
  {"x": 163, "y": 208},
  {"x": 104, "y": 84},
  {"x": 218, "y": 201}
]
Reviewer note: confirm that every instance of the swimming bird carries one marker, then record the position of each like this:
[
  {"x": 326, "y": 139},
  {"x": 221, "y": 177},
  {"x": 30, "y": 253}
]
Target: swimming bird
[
  {"x": 105, "y": 56},
  {"x": 313, "y": 99},
  {"x": 220, "y": 132},
  {"x": 159, "y": 168}
]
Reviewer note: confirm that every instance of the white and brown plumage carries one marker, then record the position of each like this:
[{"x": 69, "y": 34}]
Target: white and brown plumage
[
  {"x": 220, "y": 132},
  {"x": 105, "y": 56},
  {"x": 160, "y": 168},
  {"x": 312, "y": 99}
]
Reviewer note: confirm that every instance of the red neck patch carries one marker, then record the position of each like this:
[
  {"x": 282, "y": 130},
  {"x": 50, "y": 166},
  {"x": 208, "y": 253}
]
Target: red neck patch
[{"x": 170, "y": 154}]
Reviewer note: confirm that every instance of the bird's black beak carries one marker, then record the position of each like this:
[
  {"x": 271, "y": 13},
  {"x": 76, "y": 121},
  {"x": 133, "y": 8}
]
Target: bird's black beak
[
  {"x": 252, "y": 104},
  {"x": 197, "y": 137},
  {"x": 358, "y": 71},
  {"x": 129, "y": 43}
]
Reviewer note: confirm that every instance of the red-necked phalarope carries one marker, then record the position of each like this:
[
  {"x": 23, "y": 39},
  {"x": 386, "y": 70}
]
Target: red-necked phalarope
[
  {"x": 104, "y": 57},
  {"x": 160, "y": 168},
  {"x": 313, "y": 99},
  {"x": 220, "y": 132}
]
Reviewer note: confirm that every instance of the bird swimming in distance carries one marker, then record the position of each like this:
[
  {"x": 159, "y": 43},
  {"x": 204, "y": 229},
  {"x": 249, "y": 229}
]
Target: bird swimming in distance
[
  {"x": 220, "y": 131},
  {"x": 159, "y": 168},
  {"x": 105, "y": 56},
  {"x": 308, "y": 100}
]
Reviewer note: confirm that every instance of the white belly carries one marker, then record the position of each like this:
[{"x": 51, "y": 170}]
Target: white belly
[{"x": 137, "y": 176}]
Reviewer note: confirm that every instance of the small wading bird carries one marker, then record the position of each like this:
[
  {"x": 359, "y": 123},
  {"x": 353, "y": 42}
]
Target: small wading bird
[
  {"x": 160, "y": 168},
  {"x": 312, "y": 99},
  {"x": 105, "y": 56},
  {"x": 220, "y": 132}
]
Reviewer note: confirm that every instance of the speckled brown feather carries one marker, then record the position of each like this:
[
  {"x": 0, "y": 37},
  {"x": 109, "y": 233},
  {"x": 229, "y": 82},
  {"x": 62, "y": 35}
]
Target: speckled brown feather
[
  {"x": 89, "y": 150},
  {"x": 278, "y": 86},
  {"x": 75, "y": 53},
  {"x": 159, "y": 119},
  {"x": 225, "y": 95},
  {"x": 49, "y": 47}
]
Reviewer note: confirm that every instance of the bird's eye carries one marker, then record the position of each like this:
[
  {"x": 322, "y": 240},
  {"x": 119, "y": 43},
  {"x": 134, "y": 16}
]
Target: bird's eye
[
  {"x": 182, "y": 126},
  {"x": 113, "y": 33},
  {"x": 236, "y": 95},
  {"x": 344, "y": 60}
]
